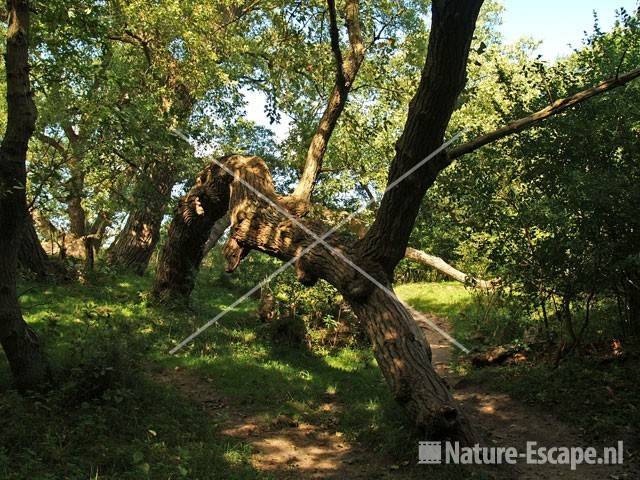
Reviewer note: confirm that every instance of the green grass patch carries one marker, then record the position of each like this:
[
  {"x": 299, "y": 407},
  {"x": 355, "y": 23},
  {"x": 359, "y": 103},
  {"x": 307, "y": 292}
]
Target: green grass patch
[{"x": 106, "y": 418}]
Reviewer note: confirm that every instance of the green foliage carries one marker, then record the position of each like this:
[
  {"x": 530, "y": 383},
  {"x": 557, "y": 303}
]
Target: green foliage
[{"x": 552, "y": 211}]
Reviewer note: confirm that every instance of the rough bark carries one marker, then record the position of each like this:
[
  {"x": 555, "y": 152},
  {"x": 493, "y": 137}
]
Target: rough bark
[
  {"x": 443, "y": 78},
  {"x": 195, "y": 215},
  {"x": 400, "y": 348},
  {"x": 170, "y": 274},
  {"x": 31, "y": 254},
  {"x": 20, "y": 343},
  {"x": 134, "y": 245}
]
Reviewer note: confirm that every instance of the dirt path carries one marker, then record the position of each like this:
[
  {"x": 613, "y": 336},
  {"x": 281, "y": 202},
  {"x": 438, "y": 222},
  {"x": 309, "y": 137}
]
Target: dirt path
[
  {"x": 284, "y": 447},
  {"x": 291, "y": 450},
  {"x": 504, "y": 421}
]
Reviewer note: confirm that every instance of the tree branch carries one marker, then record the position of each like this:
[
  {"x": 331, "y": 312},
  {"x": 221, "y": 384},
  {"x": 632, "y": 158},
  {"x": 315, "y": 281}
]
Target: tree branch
[
  {"x": 345, "y": 76},
  {"x": 439, "y": 264},
  {"x": 553, "y": 109},
  {"x": 335, "y": 44},
  {"x": 52, "y": 142}
]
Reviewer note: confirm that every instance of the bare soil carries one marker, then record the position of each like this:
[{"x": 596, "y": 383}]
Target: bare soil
[{"x": 288, "y": 449}]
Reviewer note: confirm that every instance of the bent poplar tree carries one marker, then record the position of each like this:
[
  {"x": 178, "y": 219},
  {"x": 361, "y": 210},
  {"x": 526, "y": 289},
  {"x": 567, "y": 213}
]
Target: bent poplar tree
[
  {"x": 19, "y": 341},
  {"x": 175, "y": 274},
  {"x": 400, "y": 348}
]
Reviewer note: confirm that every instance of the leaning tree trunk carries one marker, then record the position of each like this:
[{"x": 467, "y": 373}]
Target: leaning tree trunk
[
  {"x": 400, "y": 347},
  {"x": 31, "y": 255},
  {"x": 197, "y": 212},
  {"x": 402, "y": 353},
  {"x": 134, "y": 245},
  {"x": 19, "y": 341},
  {"x": 184, "y": 250}
]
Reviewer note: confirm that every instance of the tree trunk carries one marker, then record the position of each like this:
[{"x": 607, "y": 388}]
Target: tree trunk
[
  {"x": 31, "y": 255},
  {"x": 134, "y": 245},
  {"x": 399, "y": 345},
  {"x": 175, "y": 276},
  {"x": 443, "y": 78},
  {"x": 404, "y": 357},
  {"x": 194, "y": 217},
  {"x": 20, "y": 343}
]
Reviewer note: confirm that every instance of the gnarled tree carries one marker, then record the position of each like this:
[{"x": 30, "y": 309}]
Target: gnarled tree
[
  {"x": 19, "y": 341},
  {"x": 176, "y": 270},
  {"x": 256, "y": 224}
]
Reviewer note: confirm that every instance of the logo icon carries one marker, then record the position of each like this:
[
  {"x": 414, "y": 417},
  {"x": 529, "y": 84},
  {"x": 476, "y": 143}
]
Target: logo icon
[{"x": 430, "y": 452}]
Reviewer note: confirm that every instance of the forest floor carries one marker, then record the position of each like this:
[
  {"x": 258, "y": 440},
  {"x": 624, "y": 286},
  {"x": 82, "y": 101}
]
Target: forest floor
[
  {"x": 237, "y": 405},
  {"x": 290, "y": 449}
]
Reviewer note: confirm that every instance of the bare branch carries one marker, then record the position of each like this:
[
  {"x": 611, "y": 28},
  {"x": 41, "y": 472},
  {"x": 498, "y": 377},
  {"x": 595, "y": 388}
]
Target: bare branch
[{"x": 439, "y": 264}]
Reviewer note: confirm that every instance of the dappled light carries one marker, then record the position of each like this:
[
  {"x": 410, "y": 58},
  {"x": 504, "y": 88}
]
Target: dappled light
[{"x": 319, "y": 240}]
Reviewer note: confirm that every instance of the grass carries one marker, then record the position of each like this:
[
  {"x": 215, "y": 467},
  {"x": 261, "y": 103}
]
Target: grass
[
  {"x": 107, "y": 418},
  {"x": 599, "y": 396},
  {"x": 601, "y": 399},
  {"x": 466, "y": 311},
  {"x": 445, "y": 299}
]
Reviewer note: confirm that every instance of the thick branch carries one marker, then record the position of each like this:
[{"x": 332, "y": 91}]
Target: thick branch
[
  {"x": 443, "y": 77},
  {"x": 442, "y": 266},
  {"x": 197, "y": 212},
  {"x": 553, "y": 109}
]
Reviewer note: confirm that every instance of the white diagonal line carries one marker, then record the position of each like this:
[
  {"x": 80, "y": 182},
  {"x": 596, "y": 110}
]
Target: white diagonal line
[
  {"x": 321, "y": 240},
  {"x": 250, "y": 292}
]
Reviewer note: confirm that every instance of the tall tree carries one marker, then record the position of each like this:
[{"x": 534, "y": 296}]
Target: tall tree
[
  {"x": 184, "y": 67},
  {"x": 19, "y": 341},
  {"x": 399, "y": 347}
]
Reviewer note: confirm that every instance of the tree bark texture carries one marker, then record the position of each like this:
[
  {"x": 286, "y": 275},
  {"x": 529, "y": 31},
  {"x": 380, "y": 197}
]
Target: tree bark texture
[
  {"x": 134, "y": 245},
  {"x": 443, "y": 78},
  {"x": 196, "y": 213},
  {"x": 399, "y": 345},
  {"x": 20, "y": 343},
  {"x": 31, "y": 254}
]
